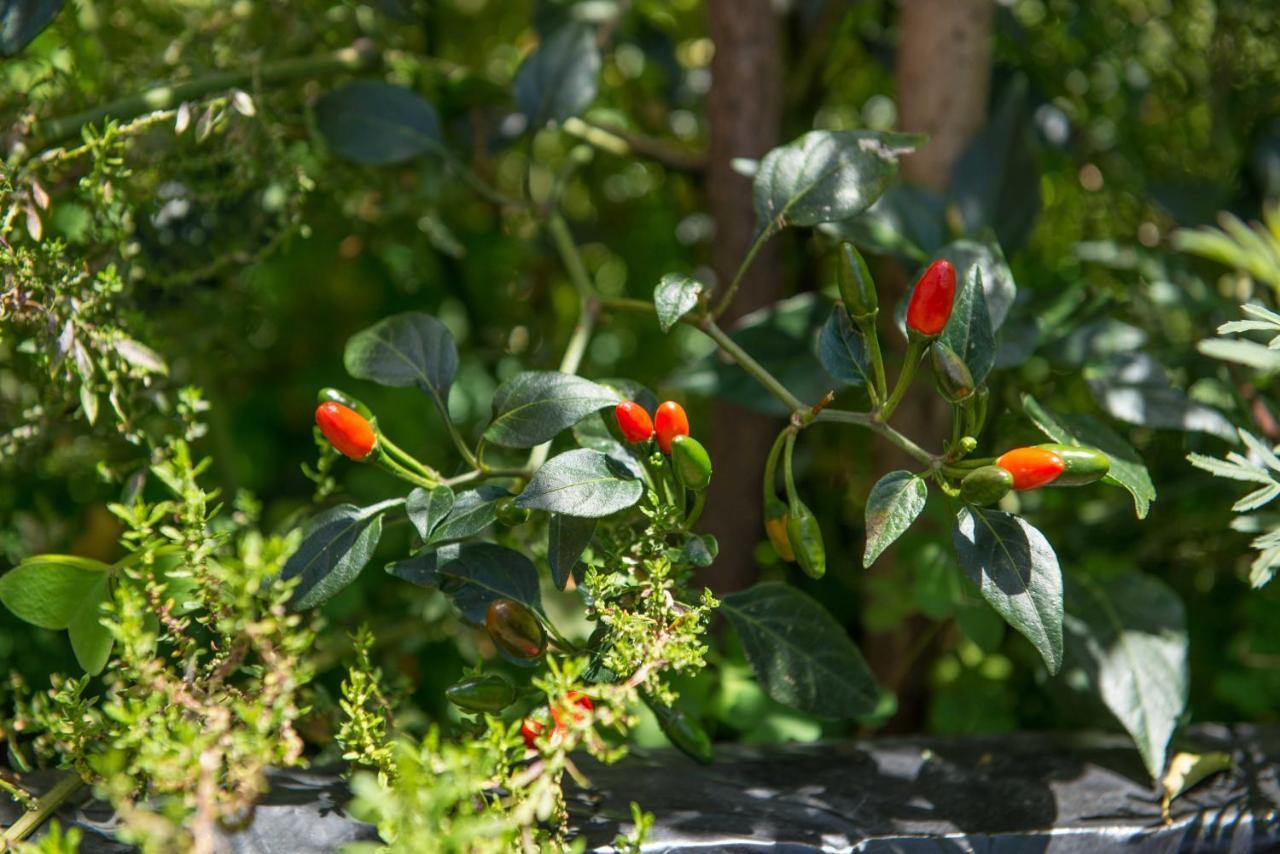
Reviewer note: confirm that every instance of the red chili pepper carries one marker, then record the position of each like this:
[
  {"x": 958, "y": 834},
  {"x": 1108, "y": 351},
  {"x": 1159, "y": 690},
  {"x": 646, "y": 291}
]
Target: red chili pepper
[
  {"x": 670, "y": 422},
  {"x": 933, "y": 298},
  {"x": 1031, "y": 467},
  {"x": 347, "y": 430},
  {"x": 633, "y": 421},
  {"x": 530, "y": 730}
]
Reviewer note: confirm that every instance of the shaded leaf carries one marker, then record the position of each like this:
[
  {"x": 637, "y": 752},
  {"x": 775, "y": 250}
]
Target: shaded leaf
[
  {"x": 472, "y": 512},
  {"x": 801, "y": 655},
  {"x": 410, "y": 349},
  {"x": 533, "y": 406},
  {"x": 843, "y": 351},
  {"x": 22, "y": 20},
  {"x": 1137, "y": 390},
  {"x": 481, "y": 572},
  {"x": 427, "y": 508},
  {"x": 583, "y": 483},
  {"x": 894, "y": 503},
  {"x": 675, "y": 296},
  {"x": 421, "y": 568},
  {"x": 378, "y": 123},
  {"x": 560, "y": 78},
  {"x": 567, "y": 539},
  {"x": 336, "y": 546},
  {"x": 1017, "y": 572},
  {"x": 48, "y": 590},
  {"x": 91, "y": 641},
  {"x": 969, "y": 331}
]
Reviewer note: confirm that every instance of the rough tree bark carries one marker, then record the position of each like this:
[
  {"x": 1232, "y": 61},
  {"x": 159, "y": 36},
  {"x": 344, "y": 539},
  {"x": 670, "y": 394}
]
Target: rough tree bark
[
  {"x": 744, "y": 109},
  {"x": 943, "y": 79}
]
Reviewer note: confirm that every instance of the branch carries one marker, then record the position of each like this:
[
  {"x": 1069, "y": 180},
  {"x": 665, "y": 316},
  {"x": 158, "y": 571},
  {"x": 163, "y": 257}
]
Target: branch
[{"x": 49, "y": 802}]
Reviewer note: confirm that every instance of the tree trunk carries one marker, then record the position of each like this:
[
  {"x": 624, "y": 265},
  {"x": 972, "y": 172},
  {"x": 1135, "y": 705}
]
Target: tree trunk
[
  {"x": 943, "y": 77},
  {"x": 744, "y": 109}
]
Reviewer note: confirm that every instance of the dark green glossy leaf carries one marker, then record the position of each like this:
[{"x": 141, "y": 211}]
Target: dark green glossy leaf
[
  {"x": 533, "y": 406},
  {"x": 1017, "y": 572},
  {"x": 582, "y": 483},
  {"x": 969, "y": 331},
  {"x": 373, "y": 122},
  {"x": 843, "y": 351},
  {"x": 894, "y": 503},
  {"x": 801, "y": 655},
  {"x": 22, "y": 20},
  {"x": 473, "y": 511},
  {"x": 567, "y": 538},
  {"x": 907, "y": 220},
  {"x": 427, "y": 508},
  {"x": 700, "y": 550},
  {"x": 335, "y": 547},
  {"x": 1136, "y": 389},
  {"x": 675, "y": 296},
  {"x": 1128, "y": 634},
  {"x": 421, "y": 568},
  {"x": 826, "y": 176},
  {"x": 482, "y": 572},
  {"x": 987, "y": 258},
  {"x": 48, "y": 590},
  {"x": 560, "y": 78},
  {"x": 410, "y": 349},
  {"x": 1127, "y": 468}
]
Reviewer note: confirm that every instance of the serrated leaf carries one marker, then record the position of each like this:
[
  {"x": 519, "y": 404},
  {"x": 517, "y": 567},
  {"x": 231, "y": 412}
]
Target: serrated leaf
[
  {"x": 1128, "y": 633},
  {"x": 481, "y": 572},
  {"x": 969, "y": 331},
  {"x": 377, "y": 123},
  {"x": 427, "y": 508},
  {"x": 533, "y": 406},
  {"x": 675, "y": 296},
  {"x": 567, "y": 539},
  {"x": 559, "y": 79},
  {"x": 91, "y": 641},
  {"x": 472, "y": 512},
  {"x": 336, "y": 546},
  {"x": 842, "y": 350},
  {"x": 826, "y": 176},
  {"x": 582, "y": 483},
  {"x": 801, "y": 655},
  {"x": 1127, "y": 468},
  {"x": 410, "y": 349},
  {"x": 48, "y": 590},
  {"x": 894, "y": 503},
  {"x": 1017, "y": 572}
]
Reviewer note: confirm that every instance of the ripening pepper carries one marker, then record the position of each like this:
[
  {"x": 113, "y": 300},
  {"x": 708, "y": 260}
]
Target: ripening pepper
[
  {"x": 515, "y": 629},
  {"x": 486, "y": 693},
  {"x": 1031, "y": 467},
  {"x": 633, "y": 421},
  {"x": 953, "y": 376},
  {"x": 986, "y": 485},
  {"x": 775, "y": 526},
  {"x": 326, "y": 395},
  {"x": 1081, "y": 465},
  {"x": 806, "y": 539},
  {"x": 692, "y": 463},
  {"x": 531, "y": 728},
  {"x": 669, "y": 423},
  {"x": 932, "y": 299},
  {"x": 856, "y": 287},
  {"x": 509, "y": 514},
  {"x": 682, "y": 730},
  {"x": 347, "y": 430}
]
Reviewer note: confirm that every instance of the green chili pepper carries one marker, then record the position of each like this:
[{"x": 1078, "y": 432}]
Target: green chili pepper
[
  {"x": 682, "y": 730},
  {"x": 986, "y": 485},
  {"x": 856, "y": 287},
  {"x": 515, "y": 629},
  {"x": 775, "y": 526},
  {"x": 509, "y": 514},
  {"x": 955, "y": 382},
  {"x": 806, "y": 539},
  {"x": 1082, "y": 465},
  {"x": 692, "y": 463},
  {"x": 486, "y": 693}
]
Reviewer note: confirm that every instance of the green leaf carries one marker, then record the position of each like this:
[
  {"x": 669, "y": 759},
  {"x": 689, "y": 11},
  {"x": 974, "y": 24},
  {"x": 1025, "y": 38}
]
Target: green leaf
[
  {"x": 378, "y": 123},
  {"x": 1017, "y": 572},
  {"x": 533, "y": 406},
  {"x": 842, "y": 350},
  {"x": 335, "y": 547},
  {"x": 481, "y": 572},
  {"x": 1129, "y": 635},
  {"x": 700, "y": 550},
  {"x": 421, "y": 568},
  {"x": 1136, "y": 389},
  {"x": 567, "y": 538},
  {"x": 801, "y": 655},
  {"x": 428, "y": 508},
  {"x": 48, "y": 590},
  {"x": 473, "y": 511},
  {"x": 894, "y": 503},
  {"x": 986, "y": 259},
  {"x": 1127, "y": 469},
  {"x": 583, "y": 483},
  {"x": 1248, "y": 353},
  {"x": 91, "y": 641},
  {"x": 826, "y": 176},
  {"x": 560, "y": 78},
  {"x": 22, "y": 20},
  {"x": 969, "y": 332},
  {"x": 675, "y": 296},
  {"x": 907, "y": 220},
  {"x": 410, "y": 349},
  {"x": 141, "y": 356}
]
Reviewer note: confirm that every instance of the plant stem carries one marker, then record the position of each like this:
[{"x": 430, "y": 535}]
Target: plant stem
[
  {"x": 485, "y": 473},
  {"x": 49, "y": 802},
  {"x": 404, "y": 457},
  {"x": 729, "y": 293},
  {"x": 881, "y": 390},
  {"x": 874, "y": 424},
  {"x": 771, "y": 465},
  {"x": 788, "y": 479},
  {"x": 169, "y": 95},
  {"x": 387, "y": 463},
  {"x": 699, "y": 500},
  {"x": 915, "y": 349},
  {"x": 751, "y": 366}
]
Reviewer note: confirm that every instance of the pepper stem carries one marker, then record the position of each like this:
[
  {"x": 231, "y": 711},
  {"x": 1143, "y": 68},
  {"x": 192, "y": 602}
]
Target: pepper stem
[
  {"x": 880, "y": 389},
  {"x": 788, "y": 479},
  {"x": 915, "y": 349},
  {"x": 699, "y": 501},
  {"x": 771, "y": 465}
]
